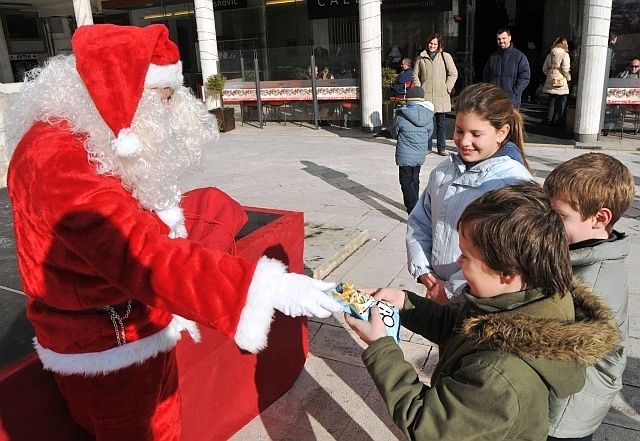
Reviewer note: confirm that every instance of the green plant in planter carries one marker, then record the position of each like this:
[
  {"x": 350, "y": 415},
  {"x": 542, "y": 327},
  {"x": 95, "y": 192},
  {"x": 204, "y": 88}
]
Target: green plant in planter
[
  {"x": 224, "y": 116},
  {"x": 215, "y": 86},
  {"x": 389, "y": 76}
]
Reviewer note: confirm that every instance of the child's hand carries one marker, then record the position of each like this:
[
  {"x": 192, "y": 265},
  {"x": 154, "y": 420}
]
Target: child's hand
[
  {"x": 368, "y": 331},
  {"x": 437, "y": 292},
  {"x": 428, "y": 280},
  {"x": 392, "y": 296}
]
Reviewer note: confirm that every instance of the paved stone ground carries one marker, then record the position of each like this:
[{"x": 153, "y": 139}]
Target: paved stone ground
[{"x": 344, "y": 180}]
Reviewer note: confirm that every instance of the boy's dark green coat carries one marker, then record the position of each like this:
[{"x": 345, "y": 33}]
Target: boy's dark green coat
[{"x": 502, "y": 355}]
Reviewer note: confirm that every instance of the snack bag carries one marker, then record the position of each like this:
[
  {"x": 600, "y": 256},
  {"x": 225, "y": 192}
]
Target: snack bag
[{"x": 357, "y": 303}]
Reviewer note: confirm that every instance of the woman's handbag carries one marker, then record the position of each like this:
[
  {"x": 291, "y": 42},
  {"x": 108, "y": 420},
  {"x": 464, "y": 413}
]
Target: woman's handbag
[{"x": 557, "y": 82}]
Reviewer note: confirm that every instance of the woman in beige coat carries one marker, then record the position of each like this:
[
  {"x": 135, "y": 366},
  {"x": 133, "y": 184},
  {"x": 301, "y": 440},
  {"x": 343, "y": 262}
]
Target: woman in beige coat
[
  {"x": 557, "y": 67},
  {"x": 436, "y": 73}
]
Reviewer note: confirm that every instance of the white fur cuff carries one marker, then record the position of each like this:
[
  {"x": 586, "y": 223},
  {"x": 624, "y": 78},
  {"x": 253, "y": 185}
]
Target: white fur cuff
[
  {"x": 173, "y": 218},
  {"x": 257, "y": 314}
]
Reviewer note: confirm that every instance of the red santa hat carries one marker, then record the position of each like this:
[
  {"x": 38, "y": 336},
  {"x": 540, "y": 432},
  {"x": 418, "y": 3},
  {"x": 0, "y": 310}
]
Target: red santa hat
[{"x": 116, "y": 63}]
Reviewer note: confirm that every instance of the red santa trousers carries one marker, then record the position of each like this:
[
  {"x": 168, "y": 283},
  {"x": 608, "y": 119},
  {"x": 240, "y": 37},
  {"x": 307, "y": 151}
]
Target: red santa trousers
[{"x": 138, "y": 403}]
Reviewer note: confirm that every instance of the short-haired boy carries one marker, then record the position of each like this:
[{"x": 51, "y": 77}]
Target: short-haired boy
[
  {"x": 514, "y": 339},
  {"x": 591, "y": 192}
]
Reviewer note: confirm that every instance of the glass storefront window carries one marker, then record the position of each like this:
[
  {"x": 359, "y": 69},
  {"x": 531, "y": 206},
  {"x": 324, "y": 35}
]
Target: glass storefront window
[
  {"x": 282, "y": 36},
  {"x": 405, "y": 34}
]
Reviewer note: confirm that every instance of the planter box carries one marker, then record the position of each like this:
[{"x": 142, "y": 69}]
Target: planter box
[
  {"x": 387, "y": 113},
  {"x": 225, "y": 117}
]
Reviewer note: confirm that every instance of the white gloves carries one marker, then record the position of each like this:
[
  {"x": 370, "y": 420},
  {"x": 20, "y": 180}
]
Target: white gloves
[
  {"x": 301, "y": 295},
  {"x": 273, "y": 288}
]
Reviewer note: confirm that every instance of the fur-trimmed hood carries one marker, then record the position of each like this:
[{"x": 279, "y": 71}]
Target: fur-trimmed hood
[{"x": 549, "y": 344}]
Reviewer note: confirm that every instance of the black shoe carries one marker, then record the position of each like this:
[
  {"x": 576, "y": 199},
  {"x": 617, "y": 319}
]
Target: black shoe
[{"x": 443, "y": 153}]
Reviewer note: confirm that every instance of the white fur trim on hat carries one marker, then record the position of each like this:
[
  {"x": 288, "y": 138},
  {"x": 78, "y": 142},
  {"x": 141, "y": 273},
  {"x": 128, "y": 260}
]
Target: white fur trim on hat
[
  {"x": 173, "y": 218},
  {"x": 168, "y": 75},
  {"x": 111, "y": 360},
  {"x": 127, "y": 143},
  {"x": 257, "y": 314}
]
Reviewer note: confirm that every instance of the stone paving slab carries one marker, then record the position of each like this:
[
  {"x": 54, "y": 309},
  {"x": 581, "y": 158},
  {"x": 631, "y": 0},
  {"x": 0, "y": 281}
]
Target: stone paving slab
[
  {"x": 346, "y": 179},
  {"x": 326, "y": 246}
]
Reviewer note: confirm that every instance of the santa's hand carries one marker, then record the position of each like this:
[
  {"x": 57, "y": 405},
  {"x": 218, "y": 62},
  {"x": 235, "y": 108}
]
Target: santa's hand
[
  {"x": 371, "y": 330},
  {"x": 301, "y": 295}
]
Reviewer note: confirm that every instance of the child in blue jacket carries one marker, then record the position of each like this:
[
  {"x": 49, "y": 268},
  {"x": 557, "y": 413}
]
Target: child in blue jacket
[{"x": 412, "y": 127}]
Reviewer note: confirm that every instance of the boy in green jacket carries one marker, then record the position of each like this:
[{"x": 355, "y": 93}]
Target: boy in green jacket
[
  {"x": 514, "y": 339},
  {"x": 591, "y": 192}
]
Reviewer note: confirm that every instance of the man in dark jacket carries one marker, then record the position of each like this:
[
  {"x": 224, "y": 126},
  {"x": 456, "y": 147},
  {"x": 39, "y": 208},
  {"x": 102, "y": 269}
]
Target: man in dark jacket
[
  {"x": 507, "y": 68},
  {"x": 412, "y": 126},
  {"x": 405, "y": 76}
]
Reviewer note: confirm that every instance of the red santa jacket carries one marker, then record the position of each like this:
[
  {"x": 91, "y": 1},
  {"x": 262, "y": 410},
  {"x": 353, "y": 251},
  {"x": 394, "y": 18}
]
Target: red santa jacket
[{"x": 84, "y": 243}]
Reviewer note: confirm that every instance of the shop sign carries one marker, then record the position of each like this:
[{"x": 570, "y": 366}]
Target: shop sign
[
  {"x": 416, "y": 5},
  {"x": 23, "y": 57},
  {"x": 220, "y": 5},
  {"x": 623, "y": 95},
  {"x": 318, "y": 9}
]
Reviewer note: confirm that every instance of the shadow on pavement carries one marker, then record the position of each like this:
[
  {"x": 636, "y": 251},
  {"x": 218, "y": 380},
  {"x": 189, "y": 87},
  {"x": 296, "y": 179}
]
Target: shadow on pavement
[{"x": 342, "y": 182}]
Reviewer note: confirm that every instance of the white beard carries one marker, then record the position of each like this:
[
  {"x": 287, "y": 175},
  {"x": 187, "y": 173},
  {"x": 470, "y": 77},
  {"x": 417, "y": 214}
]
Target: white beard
[{"x": 172, "y": 135}]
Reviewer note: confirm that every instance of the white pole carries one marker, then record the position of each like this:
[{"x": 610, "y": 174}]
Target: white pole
[
  {"x": 207, "y": 41},
  {"x": 6, "y": 73},
  {"x": 593, "y": 69},
  {"x": 370, "y": 64},
  {"x": 82, "y": 9}
]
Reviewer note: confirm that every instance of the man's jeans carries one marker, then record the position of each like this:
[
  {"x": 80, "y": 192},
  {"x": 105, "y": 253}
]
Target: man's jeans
[{"x": 439, "y": 127}]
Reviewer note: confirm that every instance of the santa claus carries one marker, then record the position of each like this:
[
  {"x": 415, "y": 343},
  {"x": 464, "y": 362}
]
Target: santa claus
[{"x": 102, "y": 139}]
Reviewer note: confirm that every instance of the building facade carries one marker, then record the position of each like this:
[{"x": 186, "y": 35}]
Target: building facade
[{"x": 228, "y": 36}]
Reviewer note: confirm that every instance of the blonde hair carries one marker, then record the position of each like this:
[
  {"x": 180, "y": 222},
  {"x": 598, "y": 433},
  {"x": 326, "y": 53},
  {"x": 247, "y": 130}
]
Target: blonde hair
[
  {"x": 590, "y": 182},
  {"x": 491, "y": 103}
]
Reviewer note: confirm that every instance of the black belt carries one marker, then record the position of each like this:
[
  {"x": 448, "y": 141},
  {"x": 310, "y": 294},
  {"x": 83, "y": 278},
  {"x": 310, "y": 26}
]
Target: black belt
[{"x": 100, "y": 310}]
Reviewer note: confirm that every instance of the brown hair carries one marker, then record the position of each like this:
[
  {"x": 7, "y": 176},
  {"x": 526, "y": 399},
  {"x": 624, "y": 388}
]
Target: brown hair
[
  {"x": 437, "y": 37},
  {"x": 562, "y": 43},
  {"x": 590, "y": 182},
  {"x": 491, "y": 103},
  {"x": 517, "y": 232}
]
